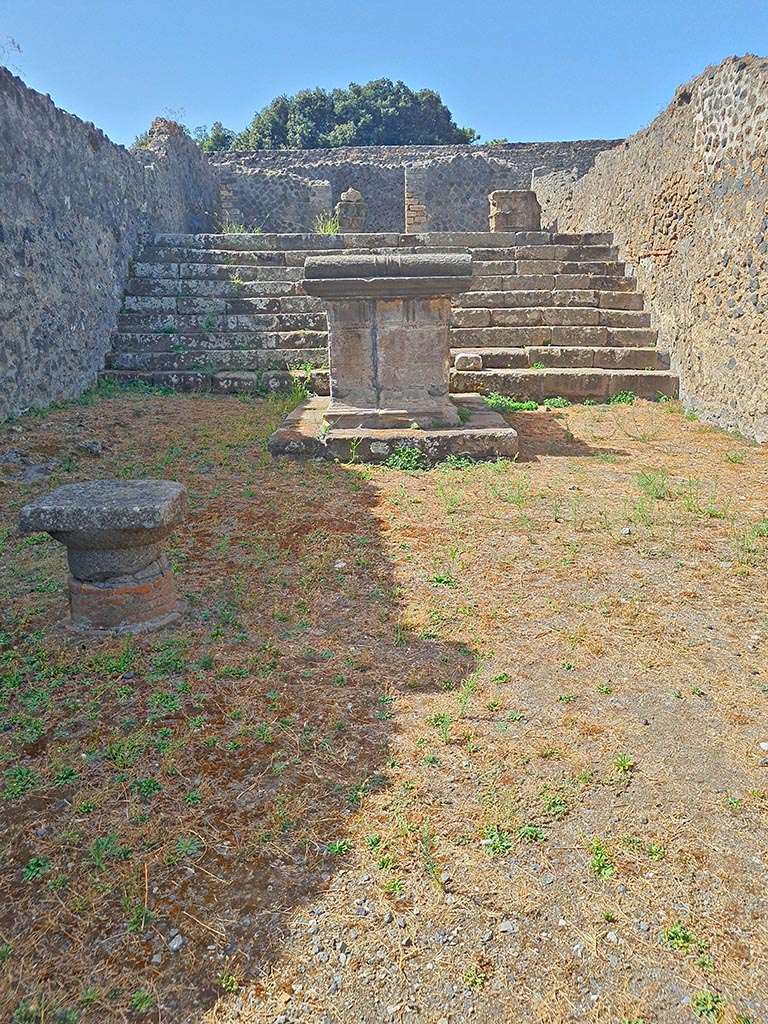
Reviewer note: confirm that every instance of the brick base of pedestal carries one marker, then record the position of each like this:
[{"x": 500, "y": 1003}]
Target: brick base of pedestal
[{"x": 128, "y": 604}]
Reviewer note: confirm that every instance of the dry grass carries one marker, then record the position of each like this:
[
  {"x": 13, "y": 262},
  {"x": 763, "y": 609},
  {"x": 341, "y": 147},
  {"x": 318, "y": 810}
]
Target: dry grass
[{"x": 525, "y": 701}]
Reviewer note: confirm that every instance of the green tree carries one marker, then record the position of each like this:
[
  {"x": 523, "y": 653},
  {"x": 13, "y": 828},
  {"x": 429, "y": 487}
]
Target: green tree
[
  {"x": 217, "y": 138},
  {"x": 380, "y": 113}
]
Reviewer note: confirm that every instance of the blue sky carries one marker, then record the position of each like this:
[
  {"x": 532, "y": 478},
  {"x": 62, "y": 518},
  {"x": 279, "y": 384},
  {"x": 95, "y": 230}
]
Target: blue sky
[{"x": 526, "y": 71}]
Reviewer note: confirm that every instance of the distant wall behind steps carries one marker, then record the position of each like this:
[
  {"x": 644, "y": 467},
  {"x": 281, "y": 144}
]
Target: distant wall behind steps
[
  {"x": 72, "y": 205},
  {"x": 451, "y": 183}
]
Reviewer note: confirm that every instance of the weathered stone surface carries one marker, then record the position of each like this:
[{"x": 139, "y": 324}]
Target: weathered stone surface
[
  {"x": 104, "y": 505},
  {"x": 388, "y": 335},
  {"x": 513, "y": 210},
  {"x": 114, "y": 531},
  {"x": 351, "y": 211},
  {"x": 73, "y": 205},
  {"x": 484, "y": 434},
  {"x": 686, "y": 200},
  {"x": 437, "y": 188},
  {"x": 468, "y": 361}
]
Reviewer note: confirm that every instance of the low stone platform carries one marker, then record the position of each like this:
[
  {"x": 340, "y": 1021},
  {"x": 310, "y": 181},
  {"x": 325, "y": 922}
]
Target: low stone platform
[
  {"x": 121, "y": 580},
  {"x": 482, "y": 435}
]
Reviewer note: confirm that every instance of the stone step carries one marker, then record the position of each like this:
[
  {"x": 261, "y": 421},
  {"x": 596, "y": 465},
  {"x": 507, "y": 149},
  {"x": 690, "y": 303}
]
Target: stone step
[
  {"x": 218, "y": 269},
  {"x": 549, "y": 316},
  {"x": 469, "y": 338},
  {"x": 221, "y": 381},
  {"x": 167, "y": 286},
  {"x": 575, "y": 385},
  {"x": 213, "y": 291},
  {"x": 504, "y": 271},
  {"x": 589, "y": 238},
  {"x": 286, "y": 242},
  {"x": 187, "y": 380},
  {"x": 548, "y": 297},
  {"x": 214, "y": 323},
  {"x": 150, "y": 304},
  {"x": 216, "y": 341},
  {"x": 438, "y": 240},
  {"x": 581, "y": 356},
  {"x": 221, "y": 359}
]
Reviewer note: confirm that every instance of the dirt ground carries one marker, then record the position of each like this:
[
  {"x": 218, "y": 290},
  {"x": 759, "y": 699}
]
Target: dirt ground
[{"x": 486, "y": 743}]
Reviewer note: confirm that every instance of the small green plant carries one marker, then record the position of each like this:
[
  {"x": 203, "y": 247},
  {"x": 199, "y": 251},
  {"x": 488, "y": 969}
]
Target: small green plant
[
  {"x": 556, "y": 403},
  {"x": 600, "y": 861},
  {"x": 394, "y": 886},
  {"x": 326, "y": 224},
  {"x": 6, "y": 952},
  {"x": 504, "y": 404},
  {"x": 141, "y": 1000},
  {"x": 707, "y": 1006},
  {"x": 467, "y": 689},
  {"x": 442, "y": 722},
  {"x": 604, "y": 688},
  {"x": 555, "y": 805},
  {"x": 36, "y": 867},
  {"x": 623, "y": 398},
  {"x": 734, "y": 457},
  {"x": 229, "y": 981},
  {"x": 656, "y": 852},
  {"x": 140, "y": 919},
  {"x": 106, "y": 848},
  {"x": 18, "y": 781},
  {"x": 147, "y": 788},
  {"x": 654, "y": 483},
  {"x": 531, "y": 834},
  {"x": 64, "y": 776},
  {"x": 497, "y": 841},
  {"x": 682, "y": 938},
  {"x": 444, "y": 579},
  {"x": 537, "y": 366},
  {"x": 623, "y": 763},
  {"x": 474, "y": 977},
  {"x": 187, "y": 846},
  {"x": 566, "y": 698},
  {"x": 338, "y": 847},
  {"x": 408, "y": 458}
]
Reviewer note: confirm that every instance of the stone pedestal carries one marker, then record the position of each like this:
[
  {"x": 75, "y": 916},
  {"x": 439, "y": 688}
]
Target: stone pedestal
[
  {"x": 120, "y": 578},
  {"x": 389, "y": 355},
  {"x": 351, "y": 212},
  {"x": 514, "y": 210},
  {"x": 388, "y": 336}
]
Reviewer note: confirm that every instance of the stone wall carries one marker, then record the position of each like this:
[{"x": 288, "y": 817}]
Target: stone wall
[
  {"x": 451, "y": 183},
  {"x": 72, "y": 205},
  {"x": 687, "y": 200}
]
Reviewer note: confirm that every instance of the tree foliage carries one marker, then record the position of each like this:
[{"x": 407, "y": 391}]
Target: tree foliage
[{"x": 380, "y": 113}]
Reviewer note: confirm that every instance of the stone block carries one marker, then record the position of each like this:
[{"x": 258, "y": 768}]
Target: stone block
[
  {"x": 464, "y": 361},
  {"x": 514, "y": 210},
  {"x": 351, "y": 212}
]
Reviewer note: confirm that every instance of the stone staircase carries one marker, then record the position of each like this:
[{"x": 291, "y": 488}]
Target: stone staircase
[{"x": 548, "y": 315}]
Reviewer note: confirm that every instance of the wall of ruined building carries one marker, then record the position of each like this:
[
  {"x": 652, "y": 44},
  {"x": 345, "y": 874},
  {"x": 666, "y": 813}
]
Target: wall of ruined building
[
  {"x": 72, "y": 205},
  {"x": 687, "y": 200},
  {"x": 451, "y": 183}
]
